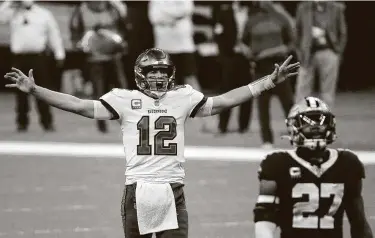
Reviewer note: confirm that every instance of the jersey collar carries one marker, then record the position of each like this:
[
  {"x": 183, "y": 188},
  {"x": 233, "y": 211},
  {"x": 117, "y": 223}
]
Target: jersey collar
[{"x": 318, "y": 172}]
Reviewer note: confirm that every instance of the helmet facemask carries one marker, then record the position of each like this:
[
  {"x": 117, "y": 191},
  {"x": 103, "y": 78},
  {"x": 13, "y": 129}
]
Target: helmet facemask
[
  {"x": 155, "y": 80},
  {"x": 312, "y": 129}
]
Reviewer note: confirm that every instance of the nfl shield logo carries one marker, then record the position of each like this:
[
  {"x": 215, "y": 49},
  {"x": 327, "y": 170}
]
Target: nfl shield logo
[{"x": 136, "y": 104}]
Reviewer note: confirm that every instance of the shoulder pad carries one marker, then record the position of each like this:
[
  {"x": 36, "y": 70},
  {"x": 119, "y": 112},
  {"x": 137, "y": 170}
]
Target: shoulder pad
[
  {"x": 279, "y": 155},
  {"x": 354, "y": 165},
  {"x": 121, "y": 92},
  {"x": 270, "y": 166},
  {"x": 345, "y": 149},
  {"x": 348, "y": 154},
  {"x": 182, "y": 89},
  {"x": 177, "y": 87}
]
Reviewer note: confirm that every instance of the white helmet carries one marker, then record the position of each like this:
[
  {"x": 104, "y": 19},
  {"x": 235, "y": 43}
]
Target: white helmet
[{"x": 311, "y": 124}]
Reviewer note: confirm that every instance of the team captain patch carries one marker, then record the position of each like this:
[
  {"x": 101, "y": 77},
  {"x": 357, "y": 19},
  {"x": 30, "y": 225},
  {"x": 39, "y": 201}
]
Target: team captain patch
[{"x": 136, "y": 103}]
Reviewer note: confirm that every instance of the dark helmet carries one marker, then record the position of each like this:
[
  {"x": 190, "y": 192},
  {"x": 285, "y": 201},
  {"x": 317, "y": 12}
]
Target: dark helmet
[{"x": 151, "y": 60}]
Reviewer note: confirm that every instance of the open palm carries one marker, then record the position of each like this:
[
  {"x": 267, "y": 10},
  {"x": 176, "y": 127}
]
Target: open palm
[
  {"x": 20, "y": 80},
  {"x": 284, "y": 71}
]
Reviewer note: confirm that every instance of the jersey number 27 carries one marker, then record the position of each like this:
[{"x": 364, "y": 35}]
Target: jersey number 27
[
  {"x": 303, "y": 212},
  {"x": 144, "y": 147}
]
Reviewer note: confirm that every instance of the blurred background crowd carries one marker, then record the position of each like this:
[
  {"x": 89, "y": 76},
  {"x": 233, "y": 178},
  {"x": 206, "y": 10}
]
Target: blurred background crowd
[{"x": 215, "y": 45}]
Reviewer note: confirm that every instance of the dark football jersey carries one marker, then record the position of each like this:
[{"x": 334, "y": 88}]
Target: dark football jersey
[{"x": 312, "y": 199}]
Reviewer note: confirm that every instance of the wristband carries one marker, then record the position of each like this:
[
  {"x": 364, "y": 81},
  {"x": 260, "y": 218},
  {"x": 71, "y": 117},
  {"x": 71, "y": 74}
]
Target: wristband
[{"x": 263, "y": 84}]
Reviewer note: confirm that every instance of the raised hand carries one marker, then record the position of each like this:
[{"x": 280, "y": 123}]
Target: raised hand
[
  {"x": 20, "y": 80},
  {"x": 284, "y": 71}
]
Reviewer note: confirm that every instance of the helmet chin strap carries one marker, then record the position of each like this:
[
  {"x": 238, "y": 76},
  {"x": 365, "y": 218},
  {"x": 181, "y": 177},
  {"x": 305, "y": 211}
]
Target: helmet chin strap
[
  {"x": 315, "y": 144},
  {"x": 315, "y": 155}
]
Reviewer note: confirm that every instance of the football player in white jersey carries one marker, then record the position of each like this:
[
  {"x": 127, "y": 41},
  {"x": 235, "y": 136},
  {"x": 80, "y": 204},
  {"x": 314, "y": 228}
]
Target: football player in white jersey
[{"x": 152, "y": 121}]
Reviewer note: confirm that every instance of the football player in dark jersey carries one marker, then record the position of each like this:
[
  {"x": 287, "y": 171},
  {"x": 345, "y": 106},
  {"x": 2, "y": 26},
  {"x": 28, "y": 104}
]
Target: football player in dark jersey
[{"x": 306, "y": 191}]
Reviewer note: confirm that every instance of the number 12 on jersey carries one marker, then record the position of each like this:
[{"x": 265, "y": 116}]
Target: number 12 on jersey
[{"x": 144, "y": 147}]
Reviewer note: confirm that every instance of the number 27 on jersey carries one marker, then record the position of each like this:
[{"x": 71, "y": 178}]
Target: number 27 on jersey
[{"x": 304, "y": 212}]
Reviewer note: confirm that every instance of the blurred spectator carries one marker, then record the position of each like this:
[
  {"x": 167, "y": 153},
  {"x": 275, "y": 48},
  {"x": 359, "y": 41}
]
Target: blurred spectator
[
  {"x": 320, "y": 41},
  {"x": 269, "y": 35},
  {"x": 103, "y": 70},
  {"x": 174, "y": 33},
  {"x": 228, "y": 28},
  {"x": 140, "y": 36},
  {"x": 33, "y": 32}
]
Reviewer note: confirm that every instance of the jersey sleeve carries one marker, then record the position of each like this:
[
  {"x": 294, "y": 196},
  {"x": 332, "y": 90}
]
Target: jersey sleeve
[
  {"x": 197, "y": 101},
  {"x": 269, "y": 168},
  {"x": 355, "y": 172},
  {"x": 101, "y": 112},
  {"x": 355, "y": 166},
  {"x": 113, "y": 102},
  {"x": 267, "y": 204}
]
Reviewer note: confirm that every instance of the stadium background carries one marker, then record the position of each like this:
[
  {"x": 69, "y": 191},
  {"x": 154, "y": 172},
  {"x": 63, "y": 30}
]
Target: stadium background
[
  {"x": 69, "y": 183},
  {"x": 356, "y": 70}
]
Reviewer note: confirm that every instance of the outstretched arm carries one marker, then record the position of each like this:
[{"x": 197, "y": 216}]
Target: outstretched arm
[
  {"x": 62, "y": 101},
  {"x": 242, "y": 94}
]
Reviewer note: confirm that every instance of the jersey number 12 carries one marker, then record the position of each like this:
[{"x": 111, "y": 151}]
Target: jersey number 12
[{"x": 144, "y": 147}]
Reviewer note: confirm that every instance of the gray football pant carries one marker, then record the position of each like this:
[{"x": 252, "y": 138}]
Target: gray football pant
[{"x": 324, "y": 63}]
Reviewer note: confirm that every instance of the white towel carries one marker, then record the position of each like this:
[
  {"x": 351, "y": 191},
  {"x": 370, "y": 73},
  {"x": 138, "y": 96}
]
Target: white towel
[{"x": 156, "y": 208}]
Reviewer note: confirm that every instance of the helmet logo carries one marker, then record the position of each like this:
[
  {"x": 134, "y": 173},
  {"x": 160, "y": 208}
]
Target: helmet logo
[
  {"x": 145, "y": 58},
  {"x": 312, "y": 102}
]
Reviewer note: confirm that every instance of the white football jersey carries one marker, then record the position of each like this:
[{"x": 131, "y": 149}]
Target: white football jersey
[{"x": 153, "y": 131}]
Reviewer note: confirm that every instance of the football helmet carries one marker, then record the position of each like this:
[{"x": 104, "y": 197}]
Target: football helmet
[
  {"x": 311, "y": 124},
  {"x": 154, "y": 59}
]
